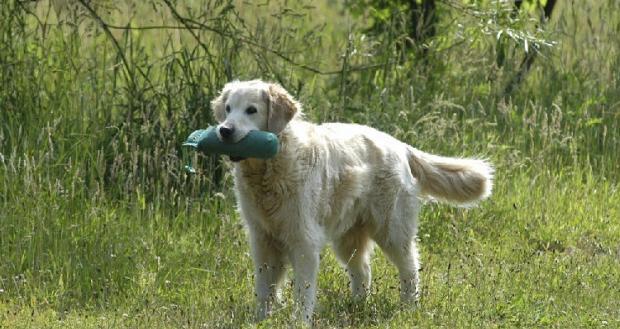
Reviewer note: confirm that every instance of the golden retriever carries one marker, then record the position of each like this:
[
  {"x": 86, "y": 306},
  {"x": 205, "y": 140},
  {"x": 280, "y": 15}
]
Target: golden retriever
[{"x": 344, "y": 184}]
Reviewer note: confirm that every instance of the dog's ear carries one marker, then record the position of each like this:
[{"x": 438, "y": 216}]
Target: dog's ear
[
  {"x": 218, "y": 105},
  {"x": 282, "y": 108}
]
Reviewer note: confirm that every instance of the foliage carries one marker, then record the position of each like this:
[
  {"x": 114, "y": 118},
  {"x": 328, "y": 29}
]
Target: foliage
[{"x": 101, "y": 227}]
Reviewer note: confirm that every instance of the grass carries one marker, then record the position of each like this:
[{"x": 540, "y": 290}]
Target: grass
[
  {"x": 101, "y": 228},
  {"x": 500, "y": 265}
]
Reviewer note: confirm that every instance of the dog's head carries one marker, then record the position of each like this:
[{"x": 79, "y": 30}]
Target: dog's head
[{"x": 243, "y": 106}]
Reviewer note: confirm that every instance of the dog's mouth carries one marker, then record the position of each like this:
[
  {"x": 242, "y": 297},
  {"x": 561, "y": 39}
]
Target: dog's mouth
[{"x": 236, "y": 159}]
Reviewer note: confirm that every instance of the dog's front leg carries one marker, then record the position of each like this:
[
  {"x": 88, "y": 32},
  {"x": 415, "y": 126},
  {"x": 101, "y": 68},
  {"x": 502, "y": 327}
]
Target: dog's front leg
[
  {"x": 268, "y": 270},
  {"x": 305, "y": 260}
]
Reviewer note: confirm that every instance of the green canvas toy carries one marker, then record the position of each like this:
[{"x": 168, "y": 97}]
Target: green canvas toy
[{"x": 256, "y": 144}]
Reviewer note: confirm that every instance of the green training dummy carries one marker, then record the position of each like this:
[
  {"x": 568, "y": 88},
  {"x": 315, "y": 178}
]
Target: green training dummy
[{"x": 256, "y": 144}]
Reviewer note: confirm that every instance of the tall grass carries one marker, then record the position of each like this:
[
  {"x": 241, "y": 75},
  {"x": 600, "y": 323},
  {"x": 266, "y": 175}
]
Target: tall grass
[{"x": 98, "y": 218}]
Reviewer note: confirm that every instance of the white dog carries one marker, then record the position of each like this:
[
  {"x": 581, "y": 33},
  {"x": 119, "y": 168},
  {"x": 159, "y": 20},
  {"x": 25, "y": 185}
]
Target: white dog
[{"x": 347, "y": 184}]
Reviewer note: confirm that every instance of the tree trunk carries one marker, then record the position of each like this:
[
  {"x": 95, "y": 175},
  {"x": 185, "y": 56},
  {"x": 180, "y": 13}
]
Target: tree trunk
[{"x": 527, "y": 62}]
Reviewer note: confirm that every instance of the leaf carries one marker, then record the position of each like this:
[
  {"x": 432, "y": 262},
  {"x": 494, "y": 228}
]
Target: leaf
[{"x": 594, "y": 121}]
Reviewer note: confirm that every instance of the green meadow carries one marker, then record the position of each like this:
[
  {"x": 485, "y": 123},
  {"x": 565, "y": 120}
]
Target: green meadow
[{"x": 101, "y": 227}]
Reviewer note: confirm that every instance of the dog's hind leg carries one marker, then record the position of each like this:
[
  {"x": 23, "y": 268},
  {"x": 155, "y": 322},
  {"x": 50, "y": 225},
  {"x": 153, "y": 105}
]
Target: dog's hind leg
[
  {"x": 404, "y": 254},
  {"x": 353, "y": 249},
  {"x": 397, "y": 240}
]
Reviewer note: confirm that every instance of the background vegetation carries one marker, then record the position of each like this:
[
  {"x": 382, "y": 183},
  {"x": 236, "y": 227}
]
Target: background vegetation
[{"x": 101, "y": 227}]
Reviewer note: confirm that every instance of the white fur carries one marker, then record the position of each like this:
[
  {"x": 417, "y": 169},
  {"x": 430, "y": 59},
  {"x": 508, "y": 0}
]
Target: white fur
[{"x": 347, "y": 184}]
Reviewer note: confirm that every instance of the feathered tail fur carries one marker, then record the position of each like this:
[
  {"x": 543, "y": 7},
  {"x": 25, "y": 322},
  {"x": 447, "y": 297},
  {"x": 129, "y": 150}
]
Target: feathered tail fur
[{"x": 459, "y": 181}]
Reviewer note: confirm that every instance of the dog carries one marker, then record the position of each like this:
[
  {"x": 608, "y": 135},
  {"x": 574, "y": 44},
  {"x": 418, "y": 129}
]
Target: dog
[{"x": 345, "y": 184}]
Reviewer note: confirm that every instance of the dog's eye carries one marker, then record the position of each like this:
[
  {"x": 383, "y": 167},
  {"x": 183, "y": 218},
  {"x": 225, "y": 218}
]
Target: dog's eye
[
  {"x": 250, "y": 110},
  {"x": 227, "y": 108}
]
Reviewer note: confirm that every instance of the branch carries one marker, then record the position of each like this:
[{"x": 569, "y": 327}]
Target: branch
[
  {"x": 249, "y": 42},
  {"x": 149, "y": 27},
  {"x": 191, "y": 25},
  {"x": 106, "y": 28},
  {"x": 107, "y": 31}
]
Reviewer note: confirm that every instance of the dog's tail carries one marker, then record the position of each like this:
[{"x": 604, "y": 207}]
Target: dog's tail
[{"x": 459, "y": 181}]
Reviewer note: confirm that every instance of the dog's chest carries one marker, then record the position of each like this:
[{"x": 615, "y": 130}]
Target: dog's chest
[{"x": 272, "y": 191}]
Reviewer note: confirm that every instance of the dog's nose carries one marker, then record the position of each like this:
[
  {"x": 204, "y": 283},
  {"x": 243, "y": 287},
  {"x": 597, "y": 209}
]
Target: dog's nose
[{"x": 226, "y": 132}]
